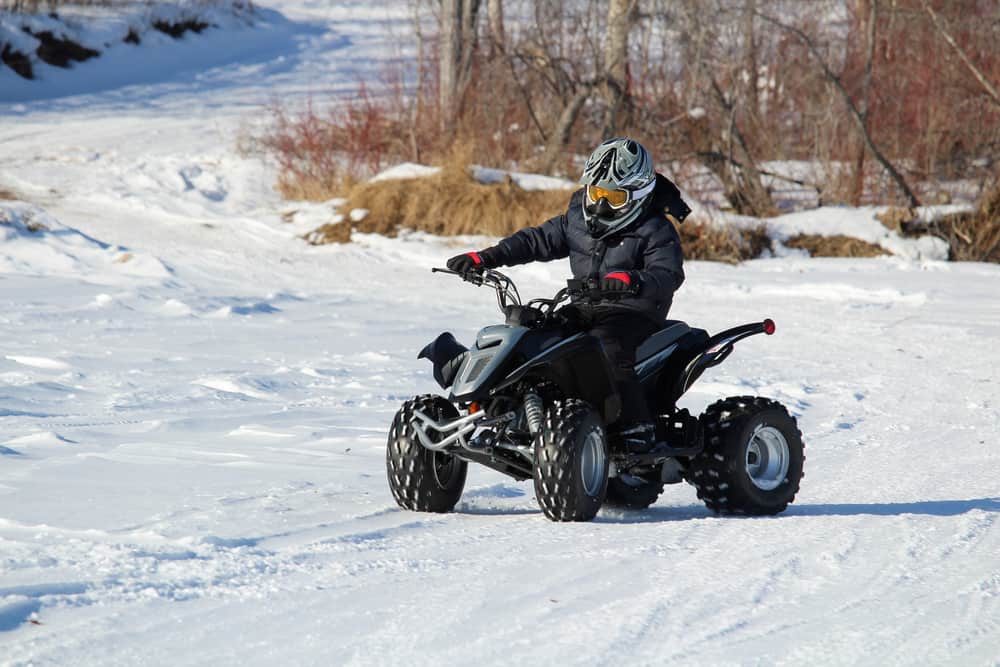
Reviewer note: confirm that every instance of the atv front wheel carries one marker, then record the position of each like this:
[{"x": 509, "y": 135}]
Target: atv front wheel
[
  {"x": 421, "y": 479},
  {"x": 571, "y": 462},
  {"x": 753, "y": 457},
  {"x": 632, "y": 493}
]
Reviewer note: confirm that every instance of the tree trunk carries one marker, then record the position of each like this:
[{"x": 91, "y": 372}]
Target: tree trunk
[
  {"x": 494, "y": 12},
  {"x": 622, "y": 15},
  {"x": 458, "y": 44},
  {"x": 750, "y": 58},
  {"x": 869, "y": 7}
]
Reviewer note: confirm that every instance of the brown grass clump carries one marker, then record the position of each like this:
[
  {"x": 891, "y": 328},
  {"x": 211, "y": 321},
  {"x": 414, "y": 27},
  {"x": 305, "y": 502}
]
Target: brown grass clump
[
  {"x": 837, "y": 245},
  {"x": 330, "y": 233},
  {"x": 7, "y": 195},
  {"x": 313, "y": 187},
  {"x": 452, "y": 202},
  {"x": 971, "y": 236},
  {"x": 896, "y": 218},
  {"x": 975, "y": 236},
  {"x": 713, "y": 243}
]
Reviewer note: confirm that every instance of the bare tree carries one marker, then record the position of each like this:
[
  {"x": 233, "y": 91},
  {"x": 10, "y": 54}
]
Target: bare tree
[
  {"x": 458, "y": 45},
  {"x": 721, "y": 73},
  {"x": 854, "y": 113}
]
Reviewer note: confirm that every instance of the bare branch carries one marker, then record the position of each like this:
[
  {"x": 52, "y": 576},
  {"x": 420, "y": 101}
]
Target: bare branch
[
  {"x": 990, "y": 89},
  {"x": 560, "y": 135},
  {"x": 855, "y": 114}
]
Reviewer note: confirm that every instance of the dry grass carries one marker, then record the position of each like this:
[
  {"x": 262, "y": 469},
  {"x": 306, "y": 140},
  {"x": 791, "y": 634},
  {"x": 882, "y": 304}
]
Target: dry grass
[
  {"x": 835, "y": 246},
  {"x": 451, "y": 202},
  {"x": 7, "y": 195},
  {"x": 713, "y": 243},
  {"x": 330, "y": 233},
  {"x": 314, "y": 187},
  {"x": 971, "y": 236},
  {"x": 897, "y": 218},
  {"x": 975, "y": 236}
]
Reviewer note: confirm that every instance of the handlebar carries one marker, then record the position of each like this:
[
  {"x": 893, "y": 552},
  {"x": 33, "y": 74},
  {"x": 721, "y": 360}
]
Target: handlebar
[
  {"x": 507, "y": 294},
  {"x": 585, "y": 290},
  {"x": 590, "y": 290}
]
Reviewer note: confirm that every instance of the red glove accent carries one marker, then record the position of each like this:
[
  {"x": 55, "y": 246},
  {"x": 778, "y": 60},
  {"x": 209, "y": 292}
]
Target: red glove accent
[
  {"x": 475, "y": 257},
  {"x": 619, "y": 275}
]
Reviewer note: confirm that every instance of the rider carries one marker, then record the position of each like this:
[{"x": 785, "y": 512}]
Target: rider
[{"x": 614, "y": 231}]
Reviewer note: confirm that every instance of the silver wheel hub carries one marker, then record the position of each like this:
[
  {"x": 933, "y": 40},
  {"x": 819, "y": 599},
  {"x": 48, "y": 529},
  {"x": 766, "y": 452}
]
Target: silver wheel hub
[
  {"x": 767, "y": 458},
  {"x": 592, "y": 462}
]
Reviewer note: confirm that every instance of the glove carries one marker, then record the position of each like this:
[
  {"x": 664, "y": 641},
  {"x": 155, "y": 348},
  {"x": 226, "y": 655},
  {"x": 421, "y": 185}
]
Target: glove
[
  {"x": 472, "y": 261},
  {"x": 620, "y": 281}
]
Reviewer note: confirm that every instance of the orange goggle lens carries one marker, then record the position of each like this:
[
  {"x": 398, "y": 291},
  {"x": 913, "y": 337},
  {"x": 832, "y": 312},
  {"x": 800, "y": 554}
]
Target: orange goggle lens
[{"x": 616, "y": 198}]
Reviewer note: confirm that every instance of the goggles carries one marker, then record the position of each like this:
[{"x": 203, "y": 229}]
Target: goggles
[{"x": 617, "y": 198}]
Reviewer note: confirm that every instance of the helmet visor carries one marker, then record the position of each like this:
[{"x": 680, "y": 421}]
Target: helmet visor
[{"x": 616, "y": 198}]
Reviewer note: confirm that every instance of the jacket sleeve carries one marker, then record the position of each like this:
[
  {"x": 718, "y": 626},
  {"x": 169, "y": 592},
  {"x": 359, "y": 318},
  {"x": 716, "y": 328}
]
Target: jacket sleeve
[
  {"x": 663, "y": 261},
  {"x": 543, "y": 243}
]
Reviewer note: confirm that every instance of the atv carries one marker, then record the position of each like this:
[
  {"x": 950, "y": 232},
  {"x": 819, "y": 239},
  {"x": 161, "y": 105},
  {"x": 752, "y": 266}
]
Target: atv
[{"x": 533, "y": 398}]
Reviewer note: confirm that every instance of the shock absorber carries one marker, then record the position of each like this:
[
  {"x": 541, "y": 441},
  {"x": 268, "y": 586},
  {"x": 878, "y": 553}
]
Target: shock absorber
[{"x": 534, "y": 412}]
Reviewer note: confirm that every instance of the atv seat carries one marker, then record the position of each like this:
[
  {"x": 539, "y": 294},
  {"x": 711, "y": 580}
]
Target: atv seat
[{"x": 661, "y": 340}]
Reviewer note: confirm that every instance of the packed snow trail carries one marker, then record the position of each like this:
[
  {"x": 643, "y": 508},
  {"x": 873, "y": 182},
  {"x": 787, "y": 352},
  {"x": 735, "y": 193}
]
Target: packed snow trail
[{"x": 194, "y": 403}]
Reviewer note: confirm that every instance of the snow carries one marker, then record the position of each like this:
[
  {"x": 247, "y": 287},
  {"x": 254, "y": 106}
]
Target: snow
[
  {"x": 480, "y": 174},
  {"x": 859, "y": 223},
  {"x": 403, "y": 171},
  {"x": 192, "y": 440}
]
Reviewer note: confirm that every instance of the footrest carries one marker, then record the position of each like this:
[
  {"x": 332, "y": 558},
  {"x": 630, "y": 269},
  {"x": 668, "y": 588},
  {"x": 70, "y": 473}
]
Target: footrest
[{"x": 661, "y": 451}]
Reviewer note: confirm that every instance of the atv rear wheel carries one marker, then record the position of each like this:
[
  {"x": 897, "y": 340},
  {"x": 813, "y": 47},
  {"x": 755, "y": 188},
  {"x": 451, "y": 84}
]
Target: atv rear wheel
[
  {"x": 753, "y": 457},
  {"x": 632, "y": 493},
  {"x": 571, "y": 462},
  {"x": 421, "y": 479}
]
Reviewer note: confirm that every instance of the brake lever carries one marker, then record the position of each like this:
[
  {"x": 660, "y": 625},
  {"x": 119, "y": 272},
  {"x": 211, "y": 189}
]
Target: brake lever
[{"x": 475, "y": 277}]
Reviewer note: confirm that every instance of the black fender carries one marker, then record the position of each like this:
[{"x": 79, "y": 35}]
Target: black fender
[
  {"x": 579, "y": 367},
  {"x": 714, "y": 352},
  {"x": 446, "y": 354}
]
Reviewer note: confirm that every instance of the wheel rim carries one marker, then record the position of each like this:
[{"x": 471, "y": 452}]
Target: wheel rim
[
  {"x": 445, "y": 467},
  {"x": 592, "y": 463},
  {"x": 767, "y": 458}
]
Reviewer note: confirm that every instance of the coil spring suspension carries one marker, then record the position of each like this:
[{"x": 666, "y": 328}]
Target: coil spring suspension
[{"x": 534, "y": 412}]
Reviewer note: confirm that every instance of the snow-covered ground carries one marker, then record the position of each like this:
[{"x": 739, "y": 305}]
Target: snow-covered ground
[{"x": 193, "y": 407}]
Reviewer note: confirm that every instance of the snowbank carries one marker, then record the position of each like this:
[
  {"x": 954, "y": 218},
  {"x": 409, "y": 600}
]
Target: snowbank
[
  {"x": 127, "y": 46},
  {"x": 859, "y": 223},
  {"x": 484, "y": 175},
  {"x": 32, "y": 242}
]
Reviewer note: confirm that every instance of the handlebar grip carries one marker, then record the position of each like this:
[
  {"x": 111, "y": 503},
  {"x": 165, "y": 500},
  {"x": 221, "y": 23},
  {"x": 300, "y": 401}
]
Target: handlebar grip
[{"x": 590, "y": 290}]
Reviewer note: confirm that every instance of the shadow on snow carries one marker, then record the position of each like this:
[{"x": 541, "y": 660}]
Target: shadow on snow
[{"x": 664, "y": 514}]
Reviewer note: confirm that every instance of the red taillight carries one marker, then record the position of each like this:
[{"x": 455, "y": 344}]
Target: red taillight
[{"x": 769, "y": 326}]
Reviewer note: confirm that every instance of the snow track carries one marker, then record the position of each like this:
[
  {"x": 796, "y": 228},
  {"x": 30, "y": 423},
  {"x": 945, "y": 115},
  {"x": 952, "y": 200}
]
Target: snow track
[{"x": 192, "y": 439}]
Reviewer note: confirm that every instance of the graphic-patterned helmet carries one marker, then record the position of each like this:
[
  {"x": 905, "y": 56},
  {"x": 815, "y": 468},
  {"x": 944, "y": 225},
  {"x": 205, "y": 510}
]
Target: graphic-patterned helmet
[{"x": 619, "y": 178}]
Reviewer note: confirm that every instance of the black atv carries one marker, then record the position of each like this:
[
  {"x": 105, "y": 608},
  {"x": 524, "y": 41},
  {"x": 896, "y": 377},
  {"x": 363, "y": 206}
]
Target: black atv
[{"x": 533, "y": 397}]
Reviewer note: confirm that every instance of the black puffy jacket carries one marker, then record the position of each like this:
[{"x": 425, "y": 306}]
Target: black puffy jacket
[{"x": 650, "y": 247}]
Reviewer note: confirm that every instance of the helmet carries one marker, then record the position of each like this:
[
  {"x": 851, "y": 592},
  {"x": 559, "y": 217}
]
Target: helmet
[{"x": 618, "y": 179}]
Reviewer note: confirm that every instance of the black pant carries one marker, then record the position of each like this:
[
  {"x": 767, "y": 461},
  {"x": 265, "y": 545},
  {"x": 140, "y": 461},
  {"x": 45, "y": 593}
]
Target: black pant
[{"x": 621, "y": 331}]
